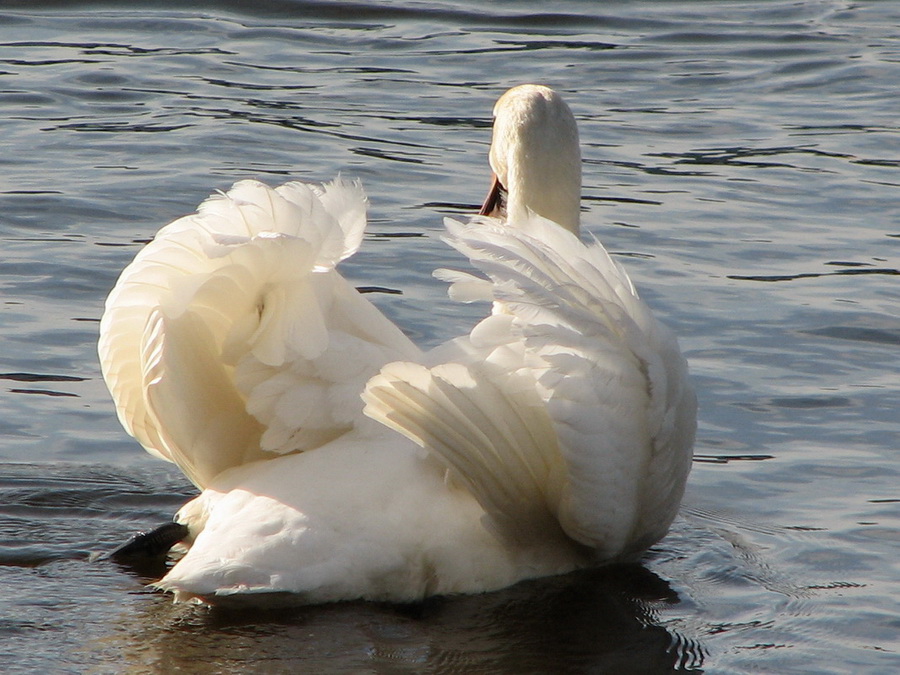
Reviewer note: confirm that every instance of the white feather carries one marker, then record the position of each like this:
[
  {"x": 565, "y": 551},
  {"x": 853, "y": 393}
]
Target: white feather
[
  {"x": 567, "y": 328},
  {"x": 247, "y": 306},
  {"x": 556, "y": 434}
]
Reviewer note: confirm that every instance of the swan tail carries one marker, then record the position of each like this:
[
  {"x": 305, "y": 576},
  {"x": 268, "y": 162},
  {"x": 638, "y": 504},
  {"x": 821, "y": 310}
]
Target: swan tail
[{"x": 231, "y": 337}]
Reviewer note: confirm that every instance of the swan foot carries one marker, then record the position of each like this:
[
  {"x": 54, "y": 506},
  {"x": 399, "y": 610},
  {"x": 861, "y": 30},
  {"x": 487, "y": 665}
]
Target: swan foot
[{"x": 150, "y": 544}]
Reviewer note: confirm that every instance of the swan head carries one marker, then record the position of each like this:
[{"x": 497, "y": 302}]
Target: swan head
[{"x": 535, "y": 158}]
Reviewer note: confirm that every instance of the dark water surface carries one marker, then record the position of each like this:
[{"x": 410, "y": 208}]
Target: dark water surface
[{"x": 742, "y": 159}]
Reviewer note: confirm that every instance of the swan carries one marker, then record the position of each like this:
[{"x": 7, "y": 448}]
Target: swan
[{"x": 335, "y": 459}]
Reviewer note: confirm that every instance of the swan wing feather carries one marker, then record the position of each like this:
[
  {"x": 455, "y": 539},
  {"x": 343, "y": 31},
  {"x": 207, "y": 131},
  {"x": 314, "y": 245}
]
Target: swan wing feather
[
  {"x": 571, "y": 350},
  {"x": 494, "y": 436},
  {"x": 235, "y": 318}
]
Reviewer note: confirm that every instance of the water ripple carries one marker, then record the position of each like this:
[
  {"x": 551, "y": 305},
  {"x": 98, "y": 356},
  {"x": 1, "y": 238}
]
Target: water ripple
[{"x": 727, "y": 147}]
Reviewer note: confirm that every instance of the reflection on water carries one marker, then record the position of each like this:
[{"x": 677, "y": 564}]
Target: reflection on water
[
  {"x": 740, "y": 159},
  {"x": 600, "y": 621}
]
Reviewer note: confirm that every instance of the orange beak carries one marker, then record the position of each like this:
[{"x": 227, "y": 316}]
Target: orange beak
[{"x": 493, "y": 203}]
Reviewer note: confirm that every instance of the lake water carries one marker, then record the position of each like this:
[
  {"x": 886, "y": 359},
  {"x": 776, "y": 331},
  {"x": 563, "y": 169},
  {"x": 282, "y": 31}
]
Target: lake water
[{"x": 742, "y": 159}]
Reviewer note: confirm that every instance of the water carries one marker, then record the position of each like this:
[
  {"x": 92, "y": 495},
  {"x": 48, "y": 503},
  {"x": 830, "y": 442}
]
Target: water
[{"x": 740, "y": 158}]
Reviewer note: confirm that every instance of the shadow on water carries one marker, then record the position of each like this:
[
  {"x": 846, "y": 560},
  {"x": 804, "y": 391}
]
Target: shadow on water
[{"x": 595, "y": 621}]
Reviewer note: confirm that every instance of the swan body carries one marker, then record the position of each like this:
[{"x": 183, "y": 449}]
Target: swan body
[{"x": 336, "y": 460}]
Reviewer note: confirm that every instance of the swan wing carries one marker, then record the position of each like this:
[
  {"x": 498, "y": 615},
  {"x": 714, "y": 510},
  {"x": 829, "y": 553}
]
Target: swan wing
[
  {"x": 570, "y": 399},
  {"x": 231, "y": 337},
  {"x": 489, "y": 429}
]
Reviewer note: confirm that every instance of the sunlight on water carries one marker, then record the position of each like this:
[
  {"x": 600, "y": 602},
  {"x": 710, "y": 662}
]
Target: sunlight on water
[{"x": 740, "y": 159}]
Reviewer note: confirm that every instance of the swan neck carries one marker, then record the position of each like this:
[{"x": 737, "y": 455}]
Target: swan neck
[{"x": 551, "y": 190}]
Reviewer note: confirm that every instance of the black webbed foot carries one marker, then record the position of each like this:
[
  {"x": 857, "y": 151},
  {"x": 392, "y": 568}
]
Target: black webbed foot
[{"x": 154, "y": 544}]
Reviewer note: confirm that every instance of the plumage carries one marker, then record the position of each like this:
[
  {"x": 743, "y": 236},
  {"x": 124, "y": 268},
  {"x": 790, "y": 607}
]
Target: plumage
[{"x": 336, "y": 460}]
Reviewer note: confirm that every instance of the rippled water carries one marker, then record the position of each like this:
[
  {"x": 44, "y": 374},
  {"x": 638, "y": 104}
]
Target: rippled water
[{"x": 741, "y": 158}]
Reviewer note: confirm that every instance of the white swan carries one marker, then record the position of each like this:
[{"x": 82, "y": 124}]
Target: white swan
[{"x": 337, "y": 460}]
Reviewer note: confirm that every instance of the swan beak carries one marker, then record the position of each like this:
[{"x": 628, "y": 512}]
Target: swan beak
[{"x": 494, "y": 202}]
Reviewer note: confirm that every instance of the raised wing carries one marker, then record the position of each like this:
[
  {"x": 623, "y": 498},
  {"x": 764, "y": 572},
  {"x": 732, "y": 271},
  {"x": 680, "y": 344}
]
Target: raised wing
[
  {"x": 583, "y": 404},
  {"x": 231, "y": 337}
]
